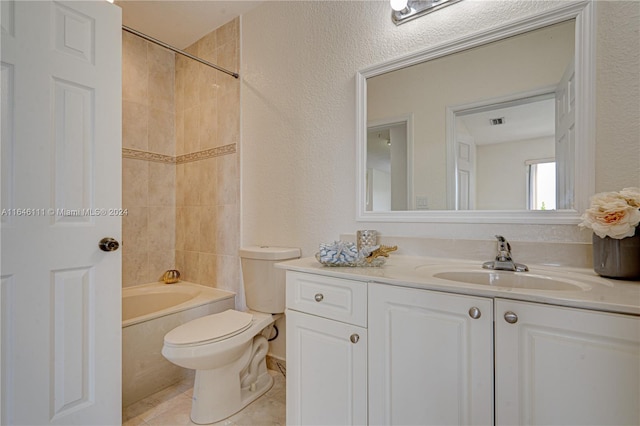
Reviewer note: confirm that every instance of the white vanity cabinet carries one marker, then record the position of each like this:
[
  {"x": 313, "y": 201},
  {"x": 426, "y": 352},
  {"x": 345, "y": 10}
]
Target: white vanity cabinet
[
  {"x": 383, "y": 354},
  {"x": 326, "y": 350},
  {"x": 557, "y": 365},
  {"x": 430, "y": 357}
]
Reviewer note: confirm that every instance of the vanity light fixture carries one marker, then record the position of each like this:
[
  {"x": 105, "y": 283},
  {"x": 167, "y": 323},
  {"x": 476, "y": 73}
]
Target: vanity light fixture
[{"x": 406, "y": 10}]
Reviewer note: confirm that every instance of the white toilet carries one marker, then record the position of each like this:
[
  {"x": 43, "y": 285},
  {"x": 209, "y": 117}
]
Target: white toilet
[{"x": 228, "y": 349}]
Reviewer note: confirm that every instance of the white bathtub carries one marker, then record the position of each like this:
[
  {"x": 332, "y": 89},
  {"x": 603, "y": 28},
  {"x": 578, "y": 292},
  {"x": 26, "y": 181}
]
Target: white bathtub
[{"x": 150, "y": 311}]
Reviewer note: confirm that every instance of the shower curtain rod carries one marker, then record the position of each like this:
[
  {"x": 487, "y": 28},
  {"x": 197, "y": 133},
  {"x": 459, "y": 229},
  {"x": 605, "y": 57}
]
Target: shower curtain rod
[{"x": 181, "y": 52}]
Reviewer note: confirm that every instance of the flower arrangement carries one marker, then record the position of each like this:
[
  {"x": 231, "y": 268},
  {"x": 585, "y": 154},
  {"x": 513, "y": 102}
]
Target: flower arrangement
[{"x": 613, "y": 214}]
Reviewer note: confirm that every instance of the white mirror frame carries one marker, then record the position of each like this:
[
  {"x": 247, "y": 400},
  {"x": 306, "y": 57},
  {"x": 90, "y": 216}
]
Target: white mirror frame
[{"x": 584, "y": 14}]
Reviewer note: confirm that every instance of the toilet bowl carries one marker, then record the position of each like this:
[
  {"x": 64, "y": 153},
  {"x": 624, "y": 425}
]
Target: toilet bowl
[{"x": 228, "y": 349}]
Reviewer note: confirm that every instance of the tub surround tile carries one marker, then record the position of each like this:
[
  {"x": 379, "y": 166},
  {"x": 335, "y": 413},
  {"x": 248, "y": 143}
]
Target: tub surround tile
[
  {"x": 208, "y": 128},
  {"x": 208, "y": 229},
  {"x": 192, "y": 129},
  {"x": 181, "y": 124},
  {"x": 135, "y": 182},
  {"x": 162, "y": 260},
  {"x": 162, "y": 131},
  {"x": 161, "y": 227},
  {"x": 162, "y": 181},
  {"x": 209, "y": 183},
  {"x": 134, "y": 69},
  {"x": 161, "y": 70},
  {"x": 135, "y": 154},
  {"x": 227, "y": 179},
  {"x": 135, "y": 229},
  {"x": 207, "y": 267},
  {"x": 135, "y": 124},
  {"x": 136, "y": 269}
]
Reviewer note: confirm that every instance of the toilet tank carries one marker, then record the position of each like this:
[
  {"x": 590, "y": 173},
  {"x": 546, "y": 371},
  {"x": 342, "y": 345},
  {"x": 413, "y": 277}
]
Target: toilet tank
[{"x": 264, "y": 285}]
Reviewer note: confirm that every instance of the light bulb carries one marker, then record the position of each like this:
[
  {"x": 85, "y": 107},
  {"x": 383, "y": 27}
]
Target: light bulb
[{"x": 398, "y": 5}]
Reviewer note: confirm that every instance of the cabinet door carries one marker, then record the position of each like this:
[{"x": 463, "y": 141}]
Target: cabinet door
[
  {"x": 327, "y": 371},
  {"x": 558, "y": 365},
  {"x": 430, "y": 362}
]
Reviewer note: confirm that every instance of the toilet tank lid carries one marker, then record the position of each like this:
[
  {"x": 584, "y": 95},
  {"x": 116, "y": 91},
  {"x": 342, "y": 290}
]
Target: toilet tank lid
[{"x": 269, "y": 253}]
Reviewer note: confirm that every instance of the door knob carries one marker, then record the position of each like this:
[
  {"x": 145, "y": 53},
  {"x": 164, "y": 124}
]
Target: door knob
[
  {"x": 108, "y": 244},
  {"x": 319, "y": 297},
  {"x": 354, "y": 338}
]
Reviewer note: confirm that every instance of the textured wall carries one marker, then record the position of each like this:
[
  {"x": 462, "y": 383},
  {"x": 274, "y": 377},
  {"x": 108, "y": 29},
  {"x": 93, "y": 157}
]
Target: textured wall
[
  {"x": 618, "y": 95},
  {"x": 299, "y": 61}
]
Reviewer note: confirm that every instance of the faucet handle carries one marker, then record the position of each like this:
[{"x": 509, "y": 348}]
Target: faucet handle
[{"x": 504, "y": 249}]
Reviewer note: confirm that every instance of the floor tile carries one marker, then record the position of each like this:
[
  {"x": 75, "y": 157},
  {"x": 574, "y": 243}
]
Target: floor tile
[{"x": 172, "y": 407}]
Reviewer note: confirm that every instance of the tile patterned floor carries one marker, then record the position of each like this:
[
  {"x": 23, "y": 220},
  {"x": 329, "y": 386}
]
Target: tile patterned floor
[{"x": 171, "y": 407}]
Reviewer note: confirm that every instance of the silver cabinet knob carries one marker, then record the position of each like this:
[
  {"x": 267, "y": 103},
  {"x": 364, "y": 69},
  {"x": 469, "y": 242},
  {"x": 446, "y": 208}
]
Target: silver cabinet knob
[
  {"x": 354, "y": 338},
  {"x": 510, "y": 317},
  {"x": 475, "y": 312},
  {"x": 319, "y": 297},
  {"x": 108, "y": 244}
]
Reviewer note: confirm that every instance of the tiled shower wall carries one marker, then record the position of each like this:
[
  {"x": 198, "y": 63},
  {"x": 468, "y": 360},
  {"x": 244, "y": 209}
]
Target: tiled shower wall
[
  {"x": 207, "y": 123},
  {"x": 181, "y": 186},
  {"x": 148, "y": 193}
]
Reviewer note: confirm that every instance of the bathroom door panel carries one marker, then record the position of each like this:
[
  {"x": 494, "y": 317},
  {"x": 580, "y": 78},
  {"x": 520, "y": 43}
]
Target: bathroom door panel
[{"x": 61, "y": 193}]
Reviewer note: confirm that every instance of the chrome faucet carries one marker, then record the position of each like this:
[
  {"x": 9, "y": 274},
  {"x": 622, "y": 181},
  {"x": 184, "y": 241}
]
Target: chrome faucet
[{"x": 503, "y": 260}]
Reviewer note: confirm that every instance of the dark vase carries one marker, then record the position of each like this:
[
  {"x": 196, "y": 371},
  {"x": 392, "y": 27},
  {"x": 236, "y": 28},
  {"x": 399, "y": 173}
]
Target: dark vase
[{"x": 619, "y": 259}]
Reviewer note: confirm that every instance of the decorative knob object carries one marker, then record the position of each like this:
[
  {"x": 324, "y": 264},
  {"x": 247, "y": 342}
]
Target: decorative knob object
[
  {"x": 319, "y": 297},
  {"x": 108, "y": 244},
  {"x": 475, "y": 313},
  {"x": 354, "y": 338},
  {"x": 171, "y": 276},
  {"x": 510, "y": 317}
]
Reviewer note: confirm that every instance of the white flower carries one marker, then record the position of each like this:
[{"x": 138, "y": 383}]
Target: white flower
[
  {"x": 613, "y": 214},
  {"x": 632, "y": 195}
]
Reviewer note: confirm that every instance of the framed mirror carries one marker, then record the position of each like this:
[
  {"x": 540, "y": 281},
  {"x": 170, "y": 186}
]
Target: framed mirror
[{"x": 497, "y": 127}]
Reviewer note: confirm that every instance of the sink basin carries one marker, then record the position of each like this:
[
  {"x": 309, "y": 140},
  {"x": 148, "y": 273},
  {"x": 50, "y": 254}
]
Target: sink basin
[{"x": 538, "y": 280}]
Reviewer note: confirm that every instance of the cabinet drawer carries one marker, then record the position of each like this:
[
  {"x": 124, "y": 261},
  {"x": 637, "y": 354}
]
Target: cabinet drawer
[{"x": 328, "y": 297}]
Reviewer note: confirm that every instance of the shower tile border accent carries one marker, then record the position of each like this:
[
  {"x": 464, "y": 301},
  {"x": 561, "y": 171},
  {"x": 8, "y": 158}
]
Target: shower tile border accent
[
  {"x": 208, "y": 153},
  {"x": 180, "y": 159},
  {"x": 147, "y": 156}
]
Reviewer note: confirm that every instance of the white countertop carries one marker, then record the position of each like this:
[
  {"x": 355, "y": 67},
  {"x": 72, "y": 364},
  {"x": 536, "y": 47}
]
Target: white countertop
[{"x": 408, "y": 271}]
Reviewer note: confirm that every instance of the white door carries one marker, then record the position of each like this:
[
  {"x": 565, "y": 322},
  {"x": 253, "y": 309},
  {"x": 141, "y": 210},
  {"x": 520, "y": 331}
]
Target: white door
[
  {"x": 61, "y": 191},
  {"x": 327, "y": 371},
  {"x": 465, "y": 173},
  {"x": 563, "y": 366},
  {"x": 430, "y": 357},
  {"x": 565, "y": 139}
]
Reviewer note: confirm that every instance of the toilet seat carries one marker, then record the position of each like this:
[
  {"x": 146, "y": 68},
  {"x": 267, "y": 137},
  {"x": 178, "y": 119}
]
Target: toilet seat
[{"x": 209, "y": 329}]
